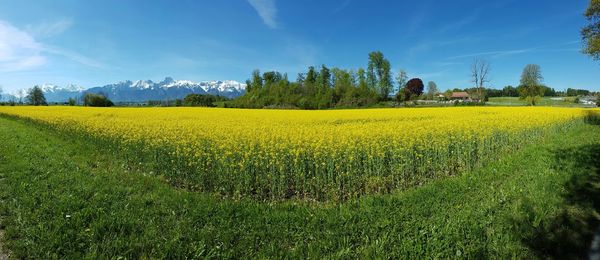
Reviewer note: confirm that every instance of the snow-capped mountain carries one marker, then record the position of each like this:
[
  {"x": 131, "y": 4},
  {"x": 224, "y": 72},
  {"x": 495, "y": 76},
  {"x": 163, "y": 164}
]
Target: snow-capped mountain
[
  {"x": 49, "y": 88},
  {"x": 15, "y": 96},
  {"x": 144, "y": 90},
  {"x": 227, "y": 86},
  {"x": 55, "y": 93},
  {"x": 139, "y": 91}
]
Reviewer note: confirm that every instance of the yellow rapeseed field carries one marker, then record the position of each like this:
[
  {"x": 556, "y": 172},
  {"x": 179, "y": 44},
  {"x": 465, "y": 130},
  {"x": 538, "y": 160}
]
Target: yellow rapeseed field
[{"x": 309, "y": 154}]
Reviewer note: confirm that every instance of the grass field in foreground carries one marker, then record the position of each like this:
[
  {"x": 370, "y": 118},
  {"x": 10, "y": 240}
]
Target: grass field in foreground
[{"x": 67, "y": 198}]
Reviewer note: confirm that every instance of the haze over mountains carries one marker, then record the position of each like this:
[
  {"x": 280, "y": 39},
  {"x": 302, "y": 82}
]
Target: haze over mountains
[{"x": 139, "y": 91}]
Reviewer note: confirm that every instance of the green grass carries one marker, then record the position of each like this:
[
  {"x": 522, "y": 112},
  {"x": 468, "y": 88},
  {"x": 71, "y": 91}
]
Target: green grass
[
  {"x": 65, "y": 198},
  {"x": 544, "y": 101}
]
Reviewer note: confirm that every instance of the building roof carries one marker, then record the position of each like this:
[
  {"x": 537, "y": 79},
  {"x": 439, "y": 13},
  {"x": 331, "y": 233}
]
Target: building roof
[{"x": 460, "y": 94}]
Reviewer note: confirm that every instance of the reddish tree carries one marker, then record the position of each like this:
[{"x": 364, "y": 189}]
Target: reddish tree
[{"x": 414, "y": 87}]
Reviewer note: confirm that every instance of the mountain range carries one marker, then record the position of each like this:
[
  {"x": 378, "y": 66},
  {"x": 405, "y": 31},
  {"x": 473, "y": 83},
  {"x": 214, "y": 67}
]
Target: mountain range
[{"x": 139, "y": 91}]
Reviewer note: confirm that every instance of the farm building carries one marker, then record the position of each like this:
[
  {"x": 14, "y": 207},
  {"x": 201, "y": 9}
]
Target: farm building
[
  {"x": 460, "y": 96},
  {"x": 588, "y": 100}
]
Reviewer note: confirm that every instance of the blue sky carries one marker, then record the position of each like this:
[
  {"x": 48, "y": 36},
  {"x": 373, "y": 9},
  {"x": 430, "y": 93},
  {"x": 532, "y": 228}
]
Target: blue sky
[{"x": 97, "y": 42}]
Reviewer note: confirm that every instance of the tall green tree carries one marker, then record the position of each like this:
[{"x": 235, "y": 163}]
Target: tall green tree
[
  {"x": 324, "y": 79},
  {"x": 311, "y": 75},
  {"x": 342, "y": 84},
  {"x": 301, "y": 78},
  {"x": 366, "y": 95},
  {"x": 36, "y": 97},
  {"x": 401, "y": 80},
  {"x": 324, "y": 96},
  {"x": 385, "y": 82},
  {"x": 378, "y": 74},
  {"x": 371, "y": 74},
  {"x": 362, "y": 79},
  {"x": 531, "y": 88},
  {"x": 257, "y": 81},
  {"x": 248, "y": 85},
  {"x": 431, "y": 89},
  {"x": 271, "y": 77},
  {"x": 591, "y": 32},
  {"x": 310, "y": 83}
]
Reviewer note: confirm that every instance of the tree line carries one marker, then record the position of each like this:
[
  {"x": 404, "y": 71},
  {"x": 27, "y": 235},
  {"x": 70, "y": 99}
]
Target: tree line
[
  {"x": 334, "y": 87},
  {"x": 324, "y": 87},
  {"x": 191, "y": 100},
  {"x": 510, "y": 91}
]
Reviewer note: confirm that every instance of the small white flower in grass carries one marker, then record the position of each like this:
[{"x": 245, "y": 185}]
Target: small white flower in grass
[{"x": 68, "y": 216}]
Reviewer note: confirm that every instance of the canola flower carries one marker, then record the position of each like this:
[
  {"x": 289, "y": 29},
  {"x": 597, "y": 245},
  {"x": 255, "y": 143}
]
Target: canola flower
[{"x": 329, "y": 154}]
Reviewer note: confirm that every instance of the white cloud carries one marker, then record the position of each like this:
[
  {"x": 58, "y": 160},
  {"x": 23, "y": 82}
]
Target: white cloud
[
  {"x": 267, "y": 11},
  {"x": 49, "y": 29},
  {"x": 18, "y": 50}
]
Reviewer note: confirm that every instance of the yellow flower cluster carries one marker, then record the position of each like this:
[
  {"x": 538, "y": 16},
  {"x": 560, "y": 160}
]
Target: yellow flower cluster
[{"x": 317, "y": 154}]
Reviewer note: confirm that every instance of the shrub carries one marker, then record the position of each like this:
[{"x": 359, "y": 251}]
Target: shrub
[
  {"x": 197, "y": 100},
  {"x": 96, "y": 100},
  {"x": 468, "y": 104}
]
